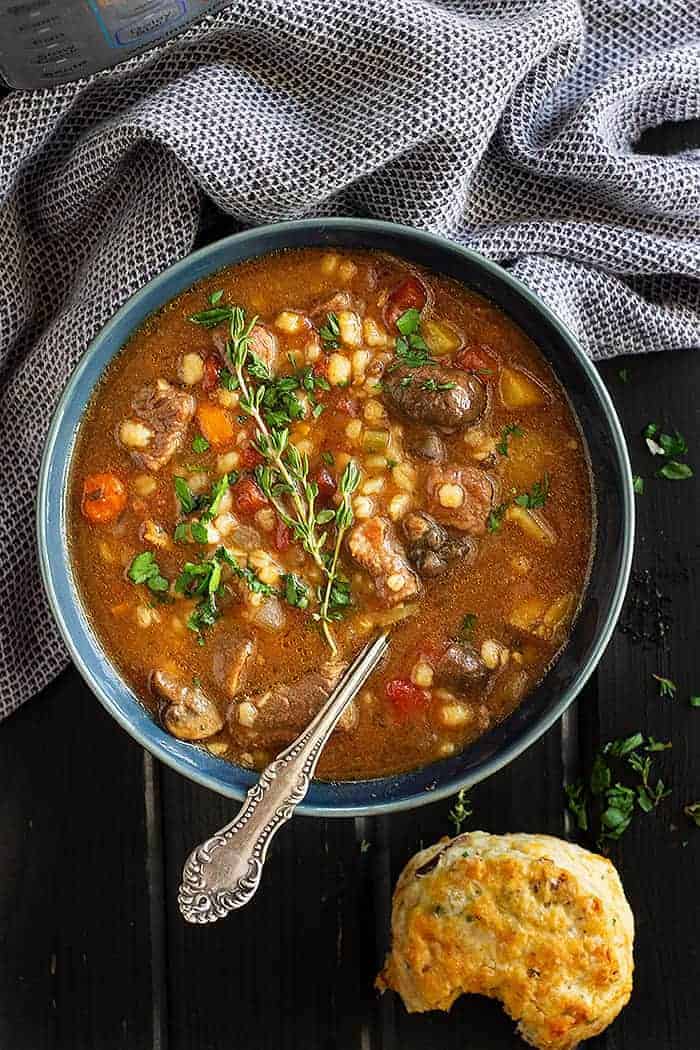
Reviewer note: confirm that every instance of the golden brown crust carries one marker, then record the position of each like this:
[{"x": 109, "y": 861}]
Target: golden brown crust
[{"x": 541, "y": 924}]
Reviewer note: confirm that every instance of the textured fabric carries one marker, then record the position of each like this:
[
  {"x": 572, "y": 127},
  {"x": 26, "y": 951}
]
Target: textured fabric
[{"x": 506, "y": 124}]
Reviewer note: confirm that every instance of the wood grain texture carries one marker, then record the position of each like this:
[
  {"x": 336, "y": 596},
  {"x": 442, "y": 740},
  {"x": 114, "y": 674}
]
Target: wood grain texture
[
  {"x": 75, "y": 937},
  {"x": 659, "y": 872}
]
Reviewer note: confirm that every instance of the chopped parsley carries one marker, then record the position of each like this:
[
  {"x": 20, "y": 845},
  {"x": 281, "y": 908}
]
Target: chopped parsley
[
  {"x": 614, "y": 802},
  {"x": 624, "y": 375},
  {"x": 189, "y": 502},
  {"x": 537, "y": 497},
  {"x": 576, "y": 801},
  {"x": 432, "y": 385},
  {"x": 510, "y": 429},
  {"x": 328, "y": 458},
  {"x": 695, "y": 701},
  {"x": 144, "y": 569},
  {"x": 296, "y": 592},
  {"x": 666, "y": 686},
  {"x": 227, "y": 380},
  {"x": 216, "y": 297},
  {"x": 200, "y": 444},
  {"x": 467, "y": 626},
  {"x": 461, "y": 811},
  {"x": 216, "y": 315},
  {"x": 670, "y": 446},
  {"x": 365, "y": 846},
  {"x": 495, "y": 518},
  {"x": 674, "y": 471},
  {"x": 411, "y": 348},
  {"x": 692, "y": 812},
  {"x": 330, "y": 333},
  {"x": 638, "y": 484}
]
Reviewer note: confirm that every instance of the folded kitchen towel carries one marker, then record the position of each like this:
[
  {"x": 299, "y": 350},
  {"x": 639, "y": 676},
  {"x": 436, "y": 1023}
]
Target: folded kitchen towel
[{"x": 508, "y": 125}]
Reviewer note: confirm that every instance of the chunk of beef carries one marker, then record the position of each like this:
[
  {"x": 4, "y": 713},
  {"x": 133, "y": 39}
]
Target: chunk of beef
[
  {"x": 186, "y": 712},
  {"x": 230, "y": 663},
  {"x": 162, "y": 416},
  {"x": 460, "y": 666},
  {"x": 275, "y": 717},
  {"x": 374, "y": 544},
  {"x": 430, "y": 547},
  {"x": 461, "y": 497},
  {"x": 438, "y": 396},
  {"x": 340, "y": 301},
  {"x": 265, "y": 344},
  {"x": 425, "y": 443}
]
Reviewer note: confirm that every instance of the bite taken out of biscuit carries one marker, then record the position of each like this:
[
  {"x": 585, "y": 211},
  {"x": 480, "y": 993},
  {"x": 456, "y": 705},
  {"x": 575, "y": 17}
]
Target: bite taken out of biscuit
[{"x": 538, "y": 923}]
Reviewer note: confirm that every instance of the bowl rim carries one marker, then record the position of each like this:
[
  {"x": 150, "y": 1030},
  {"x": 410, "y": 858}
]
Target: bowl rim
[{"x": 413, "y": 796}]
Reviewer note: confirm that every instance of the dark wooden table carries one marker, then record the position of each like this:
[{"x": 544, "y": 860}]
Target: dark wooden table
[{"x": 93, "y": 833}]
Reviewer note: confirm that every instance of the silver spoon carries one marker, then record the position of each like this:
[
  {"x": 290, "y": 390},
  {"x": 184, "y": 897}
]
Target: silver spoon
[{"x": 224, "y": 872}]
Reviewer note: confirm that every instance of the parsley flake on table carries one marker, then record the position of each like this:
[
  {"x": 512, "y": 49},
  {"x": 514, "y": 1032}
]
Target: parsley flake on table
[
  {"x": 624, "y": 375},
  {"x": 509, "y": 430},
  {"x": 674, "y": 471},
  {"x": 576, "y": 800},
  {"x": 670, "y": 446},
  {"x": 614, "y": 802},
  {"x": 666, "y": 686},
  {"x": 638, "y": 484},
  {"x": 695, "y": 701},
  {"x": 692, "y": 812}
]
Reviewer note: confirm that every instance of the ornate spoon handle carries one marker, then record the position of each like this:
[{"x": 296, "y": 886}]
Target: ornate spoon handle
[{"x": 224, "y": 872}]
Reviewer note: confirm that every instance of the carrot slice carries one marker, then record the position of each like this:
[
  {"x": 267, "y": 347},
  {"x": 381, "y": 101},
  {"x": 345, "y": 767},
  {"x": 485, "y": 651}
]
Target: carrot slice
[
  {"x": 104, "y": 498},
  {"x": 215, "y": 423}
]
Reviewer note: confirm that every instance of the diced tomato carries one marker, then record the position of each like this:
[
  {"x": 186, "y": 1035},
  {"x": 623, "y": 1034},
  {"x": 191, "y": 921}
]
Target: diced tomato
[
  {"x": 409, "y": 295},
  {"x": 104, "y": 498},
  {"x": 349, "y": 406},
  {"x": 477, "y": 359},
  {"x": 405, "y": 696},
  {"x": 283, "y": 536},
  {"x": 250, "y": 457},
  {"x": 212, "y": 371},
  {"x": 247, "y": 496},
  {"x": 326, "y": 483}
]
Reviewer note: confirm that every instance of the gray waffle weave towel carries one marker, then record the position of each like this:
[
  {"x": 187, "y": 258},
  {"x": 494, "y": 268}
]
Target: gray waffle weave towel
[{"x": 505, "y": 124}]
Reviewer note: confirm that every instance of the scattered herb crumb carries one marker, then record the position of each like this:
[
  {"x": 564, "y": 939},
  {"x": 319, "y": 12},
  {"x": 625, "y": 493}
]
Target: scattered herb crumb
[
  {"x": 695, "y": 701},
  {"x": 692, "y": 812},
  {"x": 199, "y": 443},
  {"x": 509, "y": 430},
  {"x": 461, "y": 811},
  {"x": 638, "y": 484},
  {"x": 624, "y": 375},
  {"x": 614, "y": 803},
  {"x": 365, "y": 845},
  {"x": 666, "y": 686}
]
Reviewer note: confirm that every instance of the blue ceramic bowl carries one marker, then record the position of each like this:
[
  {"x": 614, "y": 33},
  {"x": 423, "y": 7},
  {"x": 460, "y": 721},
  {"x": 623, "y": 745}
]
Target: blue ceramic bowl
[{"x": 614, "y": 526}]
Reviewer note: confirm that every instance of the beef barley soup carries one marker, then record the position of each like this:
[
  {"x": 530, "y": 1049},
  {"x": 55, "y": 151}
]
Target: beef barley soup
[{"x": 304, "y": 448}]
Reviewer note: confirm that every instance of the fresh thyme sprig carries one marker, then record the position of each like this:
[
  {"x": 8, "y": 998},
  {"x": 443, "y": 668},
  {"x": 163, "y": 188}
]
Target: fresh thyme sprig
[
  {"x": 344, "y": 518},
  {"x": 285, "y": 474}
]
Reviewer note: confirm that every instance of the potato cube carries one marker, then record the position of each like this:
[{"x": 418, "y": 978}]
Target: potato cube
[
  {"x": 519, "y": 390},
  {"x": 440, "y": 337}
]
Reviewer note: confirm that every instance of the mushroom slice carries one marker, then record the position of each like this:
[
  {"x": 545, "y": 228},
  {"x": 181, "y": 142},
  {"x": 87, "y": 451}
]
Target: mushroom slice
[{"x": 187, "y": 713}]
